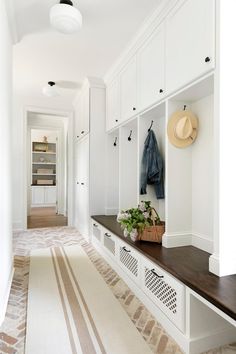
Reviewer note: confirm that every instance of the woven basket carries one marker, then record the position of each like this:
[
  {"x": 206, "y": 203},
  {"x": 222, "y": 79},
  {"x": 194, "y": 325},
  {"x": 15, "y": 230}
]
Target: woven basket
[{"x": 153, "y": 233}]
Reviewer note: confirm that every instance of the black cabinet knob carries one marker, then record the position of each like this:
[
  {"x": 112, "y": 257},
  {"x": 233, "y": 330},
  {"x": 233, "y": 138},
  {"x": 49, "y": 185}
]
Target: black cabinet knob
[
  {"x": 207, "y": 59},
  {"x": 77, "y": 182},
  {"x": 116, "y": 120},
  {"x": 77, "y": 136},
  {"x": 82, "y": 184},
  {"x": 160, "y": 91},
  {"x": 134, "y": 109},
  {"x": 82, "y": 132}
]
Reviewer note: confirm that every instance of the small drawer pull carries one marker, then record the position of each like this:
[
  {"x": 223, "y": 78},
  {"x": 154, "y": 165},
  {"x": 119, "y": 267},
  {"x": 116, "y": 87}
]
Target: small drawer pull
[
  {"x": 125, "y": 249},
  {"x": 158, "y": 276},
  {"x": 134, "y": 108},
  {"x": 160, "y": 91},
  {"x": 116, "y": 120},
  {"x": 82, "y": 132},
  {"x": 207, "y": 59},
  {"x": 95, "y": 225},
  {"x": 82, "y": 184},
  {"x": 107, "y": 235}
]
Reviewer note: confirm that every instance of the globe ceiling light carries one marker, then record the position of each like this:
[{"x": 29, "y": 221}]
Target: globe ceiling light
[
  {"x": 65, "y": 18},
  {"x": 50, "y": 90}
]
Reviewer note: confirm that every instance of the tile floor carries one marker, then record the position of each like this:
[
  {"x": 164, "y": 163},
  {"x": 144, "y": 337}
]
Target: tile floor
[{"x": 12, "y": 332}]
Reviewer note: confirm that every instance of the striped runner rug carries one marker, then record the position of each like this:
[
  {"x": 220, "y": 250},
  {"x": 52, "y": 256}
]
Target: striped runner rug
[{"x": 71, "y": 309}]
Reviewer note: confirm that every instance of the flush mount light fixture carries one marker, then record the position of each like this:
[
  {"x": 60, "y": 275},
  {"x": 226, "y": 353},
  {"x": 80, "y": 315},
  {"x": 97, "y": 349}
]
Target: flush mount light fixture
[
  {"x": 50, "y": 90},
  {"x": 65, "y": 18}
]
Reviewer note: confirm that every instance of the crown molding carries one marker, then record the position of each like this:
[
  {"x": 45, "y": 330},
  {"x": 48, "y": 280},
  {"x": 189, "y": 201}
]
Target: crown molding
[{"x": 12, "y": 21}]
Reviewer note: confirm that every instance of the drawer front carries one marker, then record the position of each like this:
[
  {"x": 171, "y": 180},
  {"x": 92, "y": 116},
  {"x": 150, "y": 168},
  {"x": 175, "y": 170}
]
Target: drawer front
[
  {"x": 96, "y": 232},
  {"x": 109, "y": 243},
  {"x": 165, "y": 291},
  {"x": 129, "y": 261}
]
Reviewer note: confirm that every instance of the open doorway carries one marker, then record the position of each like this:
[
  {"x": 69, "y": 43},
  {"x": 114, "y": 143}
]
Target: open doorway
[{"x": 47, "y": 197}]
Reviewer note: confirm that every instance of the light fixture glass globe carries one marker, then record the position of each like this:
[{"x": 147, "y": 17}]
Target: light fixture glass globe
[
  {"x": 65, "y": 18},
  {"x": 50, "y": 90}
]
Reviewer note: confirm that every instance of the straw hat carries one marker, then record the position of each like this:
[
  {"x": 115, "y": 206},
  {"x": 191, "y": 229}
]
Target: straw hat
[{"x": 182, "y": 128}]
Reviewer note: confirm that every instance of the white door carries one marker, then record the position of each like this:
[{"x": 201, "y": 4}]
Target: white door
[
  {"x": 85, "y": 110},
  {"x": 189, "y": 42},
  {"x": 113, "y": 104},
  {"x": 128, "y": 90},
  {"x": 151, "y": 69},
  {"x": 77, "y": 184},
  {"x": 84, "y": 188}
]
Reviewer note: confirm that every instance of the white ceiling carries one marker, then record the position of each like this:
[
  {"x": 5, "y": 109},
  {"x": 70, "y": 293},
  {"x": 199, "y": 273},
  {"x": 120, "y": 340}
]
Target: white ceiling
[{"x": 42, "y": 54}]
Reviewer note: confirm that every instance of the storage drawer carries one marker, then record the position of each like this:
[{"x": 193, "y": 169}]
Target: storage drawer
[
  {"x": 109, "y": 243},
  {"x": 97, "y": 232},
  {"x": 165, "y": 291},
  {"x": 129, "y": 260}
]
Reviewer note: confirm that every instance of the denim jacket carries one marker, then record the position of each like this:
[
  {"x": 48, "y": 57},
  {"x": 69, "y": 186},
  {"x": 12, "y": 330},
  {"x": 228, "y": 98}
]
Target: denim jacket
[{"x": 152, "y": 167}]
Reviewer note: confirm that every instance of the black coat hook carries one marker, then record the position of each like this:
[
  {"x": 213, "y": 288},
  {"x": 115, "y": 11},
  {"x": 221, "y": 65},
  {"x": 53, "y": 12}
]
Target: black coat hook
[
  {"x": 115, "y": 142},
  {"x": 185, "y": 107},
  {"x": 150, "y": 126},
  {"x": 130, "y": 134}
]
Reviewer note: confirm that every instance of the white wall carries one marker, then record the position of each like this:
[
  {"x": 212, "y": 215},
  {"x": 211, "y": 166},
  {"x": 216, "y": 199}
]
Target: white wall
[
  {"x": 5, "y": 158},
  {"x": 18, "y": 143}
]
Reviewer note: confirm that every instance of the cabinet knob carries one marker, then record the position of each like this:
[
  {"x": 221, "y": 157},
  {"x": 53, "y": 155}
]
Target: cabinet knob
[
  {"x": 107, "y": 235},
  {"x": 160, "y": 91},
  {"x": 134, "y": 108},
  {"x": 95, "y": 225},
  {"x": 77, "y": 182},
  {"x": 207, "y": 59},
  {"x": 82, "y": 132},
  {"x": 82, "y": 184},
  {"x": 77, "y": 136},
  {"x": 116, "y": 120}
]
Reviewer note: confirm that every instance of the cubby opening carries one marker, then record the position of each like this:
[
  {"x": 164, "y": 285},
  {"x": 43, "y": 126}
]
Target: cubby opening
[
  {"x": 207, "y": 329},
  {"x": 190, "y": 177},
  {"x": 128, "y": 185},
  {"x": 112, "y": 175},
  {"x": 155, "y": 118}
]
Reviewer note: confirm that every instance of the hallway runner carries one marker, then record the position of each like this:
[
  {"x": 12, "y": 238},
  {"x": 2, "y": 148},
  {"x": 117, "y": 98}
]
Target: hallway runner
[{"x": 71, "y": 309}]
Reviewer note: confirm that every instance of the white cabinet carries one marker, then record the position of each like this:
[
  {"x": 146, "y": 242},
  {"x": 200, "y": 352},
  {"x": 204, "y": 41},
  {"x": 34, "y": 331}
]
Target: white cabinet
[
  {"x": 113, "y": 104},
  {"x": 82, "y": 108},
  {"x": 189, "y": 42},
  {"x": 81, "y": 187},
  {"x": 128, "y": 90},
  {"x": 43, "y": 196},
  {"x": 129, "y": 261},
  {"x": 109, "y": 243},
  {"x": 151, "y": 69},
  {"x": 89, "y": 152},
  {"x": 165, "y": 291}
]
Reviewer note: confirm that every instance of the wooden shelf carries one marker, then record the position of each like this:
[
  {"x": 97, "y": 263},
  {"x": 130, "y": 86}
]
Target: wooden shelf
[
  {"x": 44, "y": 152},
  {"x": 44, "y": 163}
]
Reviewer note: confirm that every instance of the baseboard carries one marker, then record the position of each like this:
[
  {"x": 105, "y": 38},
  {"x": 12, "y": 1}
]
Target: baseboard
[
  {"x": 202, "y": 242},
  {"x": 111, "y": 211},
  {"x": 187, "y": 239},
  {"x": 17, "y": 226},
  {"x": 6, "y": 297},
  {"x": 218, "y": 269},
  {"x": 177, "y": 240}
]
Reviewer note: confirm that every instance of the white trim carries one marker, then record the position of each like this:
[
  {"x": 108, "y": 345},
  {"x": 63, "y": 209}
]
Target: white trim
[
  {"x": 6, "y": 297},
  {"x": 177, "y": 239},
  {"x": 66, "y": 114},
  {"x": 202, "y": 242},
  {"x": 111, "y": 211},
  {"x": 17, "y": 226},
  {"x": 216, "y": 268}
]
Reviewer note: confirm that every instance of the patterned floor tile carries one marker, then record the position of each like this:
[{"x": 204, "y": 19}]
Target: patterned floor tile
[{"x": 12, "y": 331}]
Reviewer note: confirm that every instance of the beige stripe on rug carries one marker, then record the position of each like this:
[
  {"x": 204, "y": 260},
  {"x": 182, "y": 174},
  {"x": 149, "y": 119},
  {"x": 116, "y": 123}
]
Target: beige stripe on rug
[{"x": 71, "y": 309}]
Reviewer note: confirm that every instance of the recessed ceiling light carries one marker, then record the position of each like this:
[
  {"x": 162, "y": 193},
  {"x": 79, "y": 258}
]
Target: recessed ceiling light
[
  {"x": 65, "y": 18},
  {"x": 50, "y": 90}
]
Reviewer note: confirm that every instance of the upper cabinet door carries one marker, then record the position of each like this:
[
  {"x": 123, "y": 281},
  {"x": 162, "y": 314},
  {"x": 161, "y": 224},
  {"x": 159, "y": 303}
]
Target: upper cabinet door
[
  {"x": 128, "y": 90},
  {"x": 151, "y": 69},
  {"x": 113, "y": 104},
  {"x": 190, "y": 47},
  {"x": 82, "y": 112}
]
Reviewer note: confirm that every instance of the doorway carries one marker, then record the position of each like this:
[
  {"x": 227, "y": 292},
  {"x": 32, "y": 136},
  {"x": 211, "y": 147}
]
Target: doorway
[{"x": 47, "y": 192}]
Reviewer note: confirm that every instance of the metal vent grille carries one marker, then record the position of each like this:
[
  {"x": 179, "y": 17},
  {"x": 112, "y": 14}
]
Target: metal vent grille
[
  {"x": 129, "y": 261},
  {"x": 109, "y": 244},
  {"x": 161, "y": 290},
  {"x": 97, "y": 233}
]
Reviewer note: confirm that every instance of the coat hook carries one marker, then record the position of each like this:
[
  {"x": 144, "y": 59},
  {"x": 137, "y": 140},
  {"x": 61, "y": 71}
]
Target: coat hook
[
  {"x": 130, "y": 134},
  {"x": 115, "y": 142},
  {"x": 150, "y": 126},
  {"x": 185, "y": 107}
]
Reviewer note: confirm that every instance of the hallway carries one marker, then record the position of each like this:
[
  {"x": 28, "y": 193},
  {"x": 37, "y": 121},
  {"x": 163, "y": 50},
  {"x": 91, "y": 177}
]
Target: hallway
[{"x": 45, "y": 217}]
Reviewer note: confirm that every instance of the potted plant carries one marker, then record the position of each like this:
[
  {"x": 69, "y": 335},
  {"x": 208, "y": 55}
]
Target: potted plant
[{"x": 142, "y": 223}]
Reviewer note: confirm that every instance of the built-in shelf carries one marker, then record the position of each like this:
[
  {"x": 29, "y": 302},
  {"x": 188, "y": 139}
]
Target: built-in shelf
[
  {"x": 44, "y": 152},
  {"x": 44, "y": 163},
  {"x": 44, "y": 174}
]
